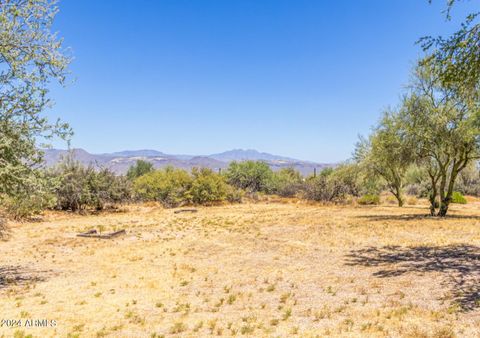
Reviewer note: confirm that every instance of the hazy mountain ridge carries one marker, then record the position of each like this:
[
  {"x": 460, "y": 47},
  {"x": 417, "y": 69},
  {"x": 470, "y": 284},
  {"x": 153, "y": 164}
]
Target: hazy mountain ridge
[{"x": 119, "y": 162}]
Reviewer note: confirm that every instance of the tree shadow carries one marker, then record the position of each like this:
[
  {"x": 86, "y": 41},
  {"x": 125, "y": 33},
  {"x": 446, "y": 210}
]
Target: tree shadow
[
  {"x": 17, "y": 276},
  {"x": 4, "y": 233},
  {"x": 416, "y": 217},
  {"x": 459, "y": 263}
]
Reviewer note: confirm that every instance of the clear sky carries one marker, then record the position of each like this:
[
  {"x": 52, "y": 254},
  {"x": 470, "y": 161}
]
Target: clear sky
[{"x": 291, "y": 77}]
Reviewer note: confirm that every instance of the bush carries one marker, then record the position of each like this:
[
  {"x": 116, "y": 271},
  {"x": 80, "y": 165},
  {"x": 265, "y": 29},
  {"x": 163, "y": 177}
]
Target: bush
[
  {"x": 19, "y": 207},
  {"x": 286, "y": 182},
  {"x": 412, "y": 200},
  {"x": 234, "y": 195},
  {"x": 140, "y": 168},
  {"x": 253, "y": 176},
  {"x": 169, "y": 186},
  {"x": 457, "y": 197},
  {"x": 324, "y": 189},
  {"x": 207, "y": 187},
  {"x": 29, "y": 200},
  {"x": 80, "y": 187},
  {"x": 468, "y": 182},
  {"x": 369, "y": 200}
]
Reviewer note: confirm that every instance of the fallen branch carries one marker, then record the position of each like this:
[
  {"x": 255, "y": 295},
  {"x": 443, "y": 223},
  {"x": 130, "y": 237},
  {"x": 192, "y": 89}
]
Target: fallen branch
[
  {"x": 185, "y": 210},
  {"x": 94, "y": 234}
]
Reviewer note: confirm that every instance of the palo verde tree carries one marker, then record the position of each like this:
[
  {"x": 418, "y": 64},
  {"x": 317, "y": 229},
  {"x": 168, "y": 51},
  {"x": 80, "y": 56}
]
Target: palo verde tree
[
  {"x": 457, "y": 57},
  {"x": 387, "y": 154},
  {"x": 31, "y": 58},
  {"x": 444, "y": 131}
]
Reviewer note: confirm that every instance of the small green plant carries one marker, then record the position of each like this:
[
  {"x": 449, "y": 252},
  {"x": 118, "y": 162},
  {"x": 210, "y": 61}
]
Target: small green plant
[
  {"x": 178, "y": 327},
  {"x": 458, "y": 198},
  {"x": 287, "y": 314},
  {"x": 231, "y": 299},
  {"x": 369, "y": 200}
]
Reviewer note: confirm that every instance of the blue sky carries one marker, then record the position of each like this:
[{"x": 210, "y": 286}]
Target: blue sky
[{"x": 292, "y": 77}]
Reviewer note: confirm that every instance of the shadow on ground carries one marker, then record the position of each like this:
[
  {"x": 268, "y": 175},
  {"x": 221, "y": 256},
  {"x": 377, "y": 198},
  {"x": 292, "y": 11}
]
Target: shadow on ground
[
  {"x": 459, "y": 263},
  {"x": 18, "y": 276},
  {"x": 417, "y": 217}
]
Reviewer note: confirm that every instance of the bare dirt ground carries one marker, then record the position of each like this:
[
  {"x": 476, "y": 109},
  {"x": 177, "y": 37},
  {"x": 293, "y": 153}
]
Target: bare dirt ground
[{"x": 260, "y": 269}]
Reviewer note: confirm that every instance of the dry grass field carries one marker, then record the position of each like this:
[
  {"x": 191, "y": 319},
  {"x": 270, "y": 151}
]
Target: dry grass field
[{"x": 271, "y": 269}]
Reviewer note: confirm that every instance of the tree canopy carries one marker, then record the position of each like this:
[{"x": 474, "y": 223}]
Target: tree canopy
[{"x": 31, "y": 59}]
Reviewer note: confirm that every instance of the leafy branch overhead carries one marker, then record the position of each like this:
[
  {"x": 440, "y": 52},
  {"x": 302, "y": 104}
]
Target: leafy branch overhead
[{"x": 31, "y": 59}]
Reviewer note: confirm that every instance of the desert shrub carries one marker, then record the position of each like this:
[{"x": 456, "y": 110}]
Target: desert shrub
[
  {"x": 72, "y": 192},
  {"x": 29, "y": 200},
  {"x": 351, "y": 177},
  {"x": 80, "y": 187},
  {"x": 24, "y": 206},
  {"x": 253, "y": 176},
  {"x": 234, "y": 195},
  {"x": 107, "y": 188},
  {"x": 140, "y": 168},
  {"x": 286, "y": 182},
  {"x": 457, "y": 197},
  {"x": 390, "y": 199},
  {"x": 468, "y": 182},
  {"x": 169, "y": 186},
  {"x": 369, "y": 200},
  {"x": 412, "y": 200},
  {"x": 324, "y": 188},
  {"x": 207, "y": 187}
]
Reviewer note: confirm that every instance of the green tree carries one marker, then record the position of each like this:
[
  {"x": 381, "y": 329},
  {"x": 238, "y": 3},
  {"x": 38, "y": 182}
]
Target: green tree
[
  {"x": 169, "y": 186},
  {"x": 207, "y": 186},
  {"x": 444, "y": 131},
  {"x": 458, "y": 55},
  {"x": 286, "y": 182},
  {"x": 387, "y": 153},
  {"x": 140, "y": 168},
  {"x": 31, "y": 57},
  {"x": 253, "y": 176}
]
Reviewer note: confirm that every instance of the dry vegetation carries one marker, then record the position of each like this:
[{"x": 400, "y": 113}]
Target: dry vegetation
[{"x": 273, "y": 268}]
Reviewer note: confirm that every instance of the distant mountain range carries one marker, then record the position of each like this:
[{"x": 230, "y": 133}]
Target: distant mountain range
[{"x": 119, "y": 162}]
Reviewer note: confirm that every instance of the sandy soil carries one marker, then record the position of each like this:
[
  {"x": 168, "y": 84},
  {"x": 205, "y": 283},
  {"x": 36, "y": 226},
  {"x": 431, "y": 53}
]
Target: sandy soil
[{"x": 278, "y": 268}]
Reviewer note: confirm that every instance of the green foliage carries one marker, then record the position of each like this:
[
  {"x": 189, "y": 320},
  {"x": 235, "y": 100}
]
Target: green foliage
[
  {"x": 80, "y": 187},
  {"x": 31, "y": 58},
  {"x": 369, "y": 200},
  {"x": 324, "y": 189},
  {"x": 140, "y": 168},
  {"x": 169, "y": 186},
  {"x": 234, "y": 195},
  {"x": 456, "y": 56},
  {"x": 30, "y": 200},
  {"x": 353, "y": 179},
  {"x": 207, "y": 187},
  {"x": 443, "y": 126},
  {"x": 468, "y": 182},
  {"x": 253, "y": 176},
  {"x": 286, "y": 182},
  {"x": 457, "y": 197},
  {"x": 387, "y": 153}
]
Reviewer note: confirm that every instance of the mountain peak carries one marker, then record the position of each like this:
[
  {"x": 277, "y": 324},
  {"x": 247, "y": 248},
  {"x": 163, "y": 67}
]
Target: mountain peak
[{"x": 249, "y": 154}]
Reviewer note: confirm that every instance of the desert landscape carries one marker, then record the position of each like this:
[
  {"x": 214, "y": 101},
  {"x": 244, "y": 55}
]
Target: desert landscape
[
  {"x": 239, "y": 168},
  {"x": 276, "y": 267}
]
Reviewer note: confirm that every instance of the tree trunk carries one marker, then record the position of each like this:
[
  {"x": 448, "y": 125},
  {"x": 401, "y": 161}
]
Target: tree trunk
[
  {"x": 448, "y": 196},
  {"x": 444, "y": 203},
  {"x": 398, "y": 195},
  {"x": 433, "y": 195},
  {"x": 442, "y": 212},
  {"x": 433, "y": 200}
]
